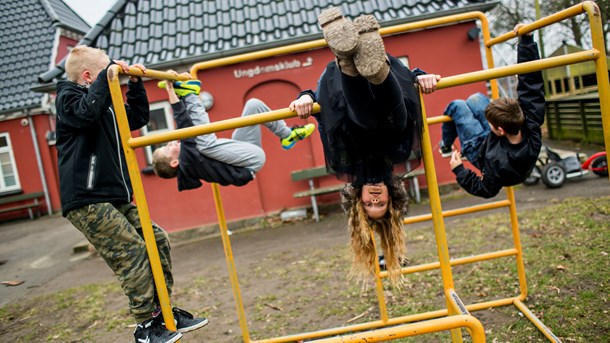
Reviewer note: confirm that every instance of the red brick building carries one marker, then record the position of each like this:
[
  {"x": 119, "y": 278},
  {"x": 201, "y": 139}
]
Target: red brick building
[{"x": 177, "y": 35}]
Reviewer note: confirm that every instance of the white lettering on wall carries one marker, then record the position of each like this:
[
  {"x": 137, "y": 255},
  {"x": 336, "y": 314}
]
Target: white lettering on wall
[{"x": 271, "y": 68}]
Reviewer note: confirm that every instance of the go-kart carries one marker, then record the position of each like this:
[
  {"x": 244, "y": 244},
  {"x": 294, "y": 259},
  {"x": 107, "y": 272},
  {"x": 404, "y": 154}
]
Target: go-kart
[{"x": 554, "y": 170}]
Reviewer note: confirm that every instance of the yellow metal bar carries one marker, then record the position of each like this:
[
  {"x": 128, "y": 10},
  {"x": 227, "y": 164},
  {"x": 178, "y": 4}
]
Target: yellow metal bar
[
  {"x": 601, "y": 69},
  {"x": 456, "y": 261},
  {"x": 378, "y": 324},
  {"x": 140, "y": 197},
  {"x": 218, "y": 126},
  {"x": 321, "y": 43},
  {"x": 543, "y": 328},
  {"x": 437, "y": 214},
  {"x": 226, "y": 242},
  {"x": 410, "y": 330},
  {"x": 554, "y": 18},
  {"x": 383, "y": 312},
  {"x": 510, "y": 193},
  {"x": 459, "y": 211},
  {"x": 154, "y": 74},
  {"x": 450, "y": 81},
  {"x": 456, "y": 303},
  {"x": 526, "y": 67}
]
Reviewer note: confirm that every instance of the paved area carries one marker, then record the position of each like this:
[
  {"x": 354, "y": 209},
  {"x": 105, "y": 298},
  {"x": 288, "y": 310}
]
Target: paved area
[{"x": 40, "y": 252}]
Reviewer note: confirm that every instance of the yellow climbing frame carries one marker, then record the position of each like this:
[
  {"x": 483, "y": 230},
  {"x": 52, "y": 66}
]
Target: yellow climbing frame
[{"x": 456, "y": 315}]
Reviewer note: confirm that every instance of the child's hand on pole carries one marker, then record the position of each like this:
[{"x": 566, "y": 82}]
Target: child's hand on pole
[{"x": 456, "y": 159}]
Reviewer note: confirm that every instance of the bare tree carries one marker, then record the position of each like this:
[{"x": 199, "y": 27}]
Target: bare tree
[{"x": 574, "y": 30}]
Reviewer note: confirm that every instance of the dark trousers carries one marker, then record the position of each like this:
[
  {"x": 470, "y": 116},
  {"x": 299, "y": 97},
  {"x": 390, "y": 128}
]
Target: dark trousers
[{"x": 373, "y": 106}]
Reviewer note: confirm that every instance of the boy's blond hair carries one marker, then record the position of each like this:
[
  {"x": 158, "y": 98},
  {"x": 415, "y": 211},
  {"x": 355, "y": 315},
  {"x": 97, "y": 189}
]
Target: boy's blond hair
[
  {"x": 83, "y": 58},
  {"x": 161, "y": 165}
]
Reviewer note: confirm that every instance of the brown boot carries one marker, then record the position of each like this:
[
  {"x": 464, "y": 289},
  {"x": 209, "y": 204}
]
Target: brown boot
[
  {"x": 340, "y": 33},
  {"x": 371, "y": 60}
]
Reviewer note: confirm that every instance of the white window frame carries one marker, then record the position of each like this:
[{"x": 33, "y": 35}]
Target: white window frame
[
  {"x": 9, "y": 148},
  {"x": 169, "y": 118}
]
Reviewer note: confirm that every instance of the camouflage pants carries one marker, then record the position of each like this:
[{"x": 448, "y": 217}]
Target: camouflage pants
[{"x": 116, "y": 233}]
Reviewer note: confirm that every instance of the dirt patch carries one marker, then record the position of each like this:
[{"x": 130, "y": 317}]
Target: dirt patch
[{"x": 294, "y": 278}]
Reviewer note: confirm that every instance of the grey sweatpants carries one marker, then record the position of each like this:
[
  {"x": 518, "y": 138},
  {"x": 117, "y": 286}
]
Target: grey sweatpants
[{"x": 245, "y": 147}]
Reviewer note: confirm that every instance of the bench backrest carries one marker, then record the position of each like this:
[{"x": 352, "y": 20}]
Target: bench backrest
[
  {"x": 20, "y": 197},
  {"x": 310, "y": 173}
]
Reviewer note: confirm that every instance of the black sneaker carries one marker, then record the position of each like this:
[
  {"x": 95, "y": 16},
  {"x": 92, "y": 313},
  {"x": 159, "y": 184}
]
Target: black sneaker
[
  {"x": 185, "y": 321},
  {"x": 382, "y": 265},
  {"x": 151, "y": 331},
  {"x": 445, "y": 151}
]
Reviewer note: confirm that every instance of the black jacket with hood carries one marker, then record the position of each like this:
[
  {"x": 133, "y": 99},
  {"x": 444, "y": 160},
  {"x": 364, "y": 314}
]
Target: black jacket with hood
[
  {"x": 91, "y": 160},
  {"x": 502, "y": 163}
]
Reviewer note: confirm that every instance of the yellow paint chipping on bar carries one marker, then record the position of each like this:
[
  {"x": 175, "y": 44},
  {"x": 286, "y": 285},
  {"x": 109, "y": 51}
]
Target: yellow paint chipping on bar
[{"x": 456, "y": 315}]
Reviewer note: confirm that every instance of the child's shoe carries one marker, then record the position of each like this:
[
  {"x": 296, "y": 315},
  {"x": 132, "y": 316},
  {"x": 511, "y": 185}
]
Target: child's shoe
[
  {"x": 371, "y": 60},
  {"x": 445, "y": 150},
  {"x": 184, "y": 88},
  {"x": 152, "y": 331},
  {"x": 183, "y": 320},
  {"x": 298, "y": 133},
  {"x": 340, "y": 33}
]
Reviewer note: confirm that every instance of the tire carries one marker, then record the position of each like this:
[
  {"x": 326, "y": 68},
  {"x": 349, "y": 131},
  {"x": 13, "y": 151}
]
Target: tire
[
  {"x": 534, "y": 177},
  {"x": 599, "y": 166},
  {"x": 553, "y": 175}
]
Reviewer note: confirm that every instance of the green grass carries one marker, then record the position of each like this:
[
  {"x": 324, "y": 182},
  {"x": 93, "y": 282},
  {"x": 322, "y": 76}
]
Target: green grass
[{"x": 565, "y": 246}]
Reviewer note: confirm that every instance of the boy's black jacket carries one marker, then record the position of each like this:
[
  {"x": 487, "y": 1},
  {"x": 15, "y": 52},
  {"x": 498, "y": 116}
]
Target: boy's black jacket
[
  {"x": 503, "y": 163},
  {"x": 91, "y": 161}
]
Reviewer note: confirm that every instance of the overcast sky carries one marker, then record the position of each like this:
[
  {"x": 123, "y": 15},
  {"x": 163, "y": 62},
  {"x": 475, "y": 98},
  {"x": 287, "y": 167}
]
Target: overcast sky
[{"x": 91, "y": 10}]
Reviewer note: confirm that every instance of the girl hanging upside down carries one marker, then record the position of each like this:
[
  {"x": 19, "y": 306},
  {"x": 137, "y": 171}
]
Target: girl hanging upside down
[{"x": 370, "y": 120}]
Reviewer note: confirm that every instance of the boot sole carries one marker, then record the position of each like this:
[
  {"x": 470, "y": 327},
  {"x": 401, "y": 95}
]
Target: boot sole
[
  {"x": 340, "y": 34},
  {"x": 371, "y": 58}
]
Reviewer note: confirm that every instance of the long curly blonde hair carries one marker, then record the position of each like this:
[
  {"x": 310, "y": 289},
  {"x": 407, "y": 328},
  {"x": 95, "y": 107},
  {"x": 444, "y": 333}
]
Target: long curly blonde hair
[{"x": 389, "y": 229}]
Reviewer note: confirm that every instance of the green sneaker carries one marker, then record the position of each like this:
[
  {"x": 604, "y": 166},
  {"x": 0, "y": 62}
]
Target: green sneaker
[
  {"x": 183, "y": 88},
  {"x": 298, "y": 133}
]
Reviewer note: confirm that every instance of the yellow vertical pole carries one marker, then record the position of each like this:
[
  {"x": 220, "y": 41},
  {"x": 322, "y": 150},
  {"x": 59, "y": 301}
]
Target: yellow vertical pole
[
  {"x": 495, "y": 93},
  {"x": 510, "y": 194},
  {"x": 383, "y": 311},
  {"x": 222, "y": 222},
  {"x": 437, "y": 217},
  {"x": 140, "y": 197},
  {"x": 601, "y": 69}
]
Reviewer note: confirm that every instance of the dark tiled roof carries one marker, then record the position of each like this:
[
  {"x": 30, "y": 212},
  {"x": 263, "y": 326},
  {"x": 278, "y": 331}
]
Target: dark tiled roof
[
  {"x": 65, "y": 16},
  {"x": 159, "y": 33},
  {"x": 27, "y": 41}
]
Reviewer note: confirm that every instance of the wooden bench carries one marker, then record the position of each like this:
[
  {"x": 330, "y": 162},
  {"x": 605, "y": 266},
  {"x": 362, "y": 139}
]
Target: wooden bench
[
  {"x": 311, "y": 174},
  {"x": 21, "y": 202}
]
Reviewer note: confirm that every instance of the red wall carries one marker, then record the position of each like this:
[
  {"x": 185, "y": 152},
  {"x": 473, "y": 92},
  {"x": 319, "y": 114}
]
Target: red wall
[
  {"x": 445, "y": 51},
  {"x": 27, "y": 165}
]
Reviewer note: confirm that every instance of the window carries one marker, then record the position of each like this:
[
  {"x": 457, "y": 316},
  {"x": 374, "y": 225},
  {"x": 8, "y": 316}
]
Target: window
[
  {"x": 161, "y": 120},
  {"x": 9, "y": 178},
  {"x": 576, "y": 82},
  {"x": 589, "y": 80}
]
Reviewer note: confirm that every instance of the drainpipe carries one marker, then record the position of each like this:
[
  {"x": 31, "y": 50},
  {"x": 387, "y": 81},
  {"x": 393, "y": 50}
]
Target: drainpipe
[{"x": 39, "y": 162}]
